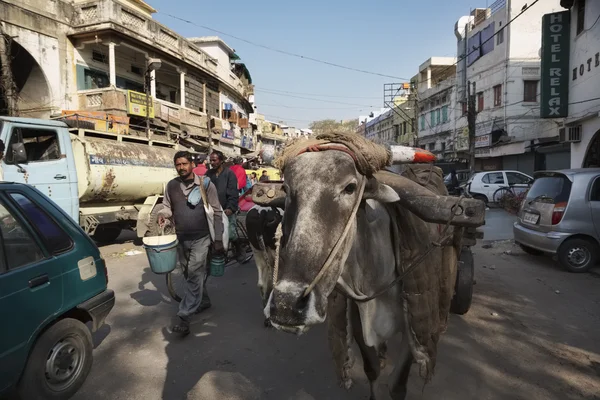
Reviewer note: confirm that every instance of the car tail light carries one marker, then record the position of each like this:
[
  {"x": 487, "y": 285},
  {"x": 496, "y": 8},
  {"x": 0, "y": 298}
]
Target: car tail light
[
  {"x": 105, "y": 269},
  {"x": 558, "y": 212}
]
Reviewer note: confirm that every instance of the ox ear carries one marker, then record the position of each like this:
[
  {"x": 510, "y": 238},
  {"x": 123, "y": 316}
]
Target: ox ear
[{"x": 379, "y": 191}]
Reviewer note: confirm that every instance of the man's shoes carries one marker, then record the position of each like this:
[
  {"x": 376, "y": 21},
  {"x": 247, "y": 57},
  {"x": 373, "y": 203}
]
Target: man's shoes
[{"x": 182, "y": 326}]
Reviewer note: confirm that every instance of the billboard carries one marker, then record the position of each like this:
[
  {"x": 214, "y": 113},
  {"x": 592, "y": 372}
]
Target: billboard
[
  {"x": 554, "y": 86},
  {"x": 136, "y": 104}
]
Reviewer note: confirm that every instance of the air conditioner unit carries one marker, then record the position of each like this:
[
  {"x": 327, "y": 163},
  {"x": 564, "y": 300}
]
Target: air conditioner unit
[
  {"x": 574, "y": 134},
  {"x": 570, "y": 134}
]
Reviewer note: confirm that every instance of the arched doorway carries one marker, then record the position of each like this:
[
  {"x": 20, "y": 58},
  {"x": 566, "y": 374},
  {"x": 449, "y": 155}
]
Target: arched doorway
[
  {"x": 592, "y": 155},
  {"x": 33, "y": 92}
]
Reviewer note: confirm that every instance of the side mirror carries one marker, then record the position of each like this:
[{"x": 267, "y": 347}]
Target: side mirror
[{"x": 19, "y": 153}]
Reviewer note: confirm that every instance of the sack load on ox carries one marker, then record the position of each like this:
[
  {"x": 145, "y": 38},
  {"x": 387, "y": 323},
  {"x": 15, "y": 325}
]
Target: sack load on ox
[{"x": 377, "y": 253}]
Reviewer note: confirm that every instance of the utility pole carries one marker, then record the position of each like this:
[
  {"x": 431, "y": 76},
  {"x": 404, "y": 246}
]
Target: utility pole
[
  {"x": 147, "y": 91},
  {"x": 471, "y": 117},
  {"x": 7, "y": 82}
]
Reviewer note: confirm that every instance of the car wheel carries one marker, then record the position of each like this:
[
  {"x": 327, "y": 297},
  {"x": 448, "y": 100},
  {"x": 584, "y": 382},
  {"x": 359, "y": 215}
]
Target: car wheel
[
  {"x": 530, "y": 250},
  {"x": 59, "y": 363},
  {"x": 578, "y": 255}
]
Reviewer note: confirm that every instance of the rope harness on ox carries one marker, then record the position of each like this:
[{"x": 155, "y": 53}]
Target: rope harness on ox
[{"x": 444, "y": 236}]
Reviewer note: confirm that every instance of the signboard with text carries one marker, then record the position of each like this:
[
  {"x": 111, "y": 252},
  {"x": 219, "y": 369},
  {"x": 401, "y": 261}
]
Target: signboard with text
[
  {"x": 136, "y": 104},
  {"x": 554, "y": 86}
]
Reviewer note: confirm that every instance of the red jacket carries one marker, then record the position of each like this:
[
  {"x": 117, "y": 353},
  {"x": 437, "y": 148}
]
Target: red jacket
[
  {"x": 200, "y": 170},
  {"x": 240, "y": 174}
]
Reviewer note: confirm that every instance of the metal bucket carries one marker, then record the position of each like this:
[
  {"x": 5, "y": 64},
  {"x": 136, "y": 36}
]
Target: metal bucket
[
  {"x": 217, "y": 265},
  {"x": 161, "y": 252}
]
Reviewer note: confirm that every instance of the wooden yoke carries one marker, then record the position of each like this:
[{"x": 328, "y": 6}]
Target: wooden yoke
[
  {"x": 431, "y": 207},
  {"x": 427, "y": 205}
]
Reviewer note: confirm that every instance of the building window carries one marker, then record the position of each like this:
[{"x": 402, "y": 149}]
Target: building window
[
  {"x": 580, "y": 16},
  {"x": 422, "y": 122},
  {"x": 530, "y": 91},
  {"x": 497, "y": 95},
  {"x": 464, "y": 107},
  {"x": 479, "y": 101},
  {"x": 438, "y": 116},
  {"x": 404, "y": 128},
  {"x": 445, "y": 114},
  {"x": 432, "y": 122},
  {"x": 500, "y": 36}
]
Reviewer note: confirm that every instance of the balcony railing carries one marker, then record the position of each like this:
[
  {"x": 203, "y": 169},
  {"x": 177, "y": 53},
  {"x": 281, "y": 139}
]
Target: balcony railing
[{"x": 143, "y": 28}]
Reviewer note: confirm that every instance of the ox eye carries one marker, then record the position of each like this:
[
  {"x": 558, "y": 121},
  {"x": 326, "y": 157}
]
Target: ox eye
[{"x": 350, "y": 188}]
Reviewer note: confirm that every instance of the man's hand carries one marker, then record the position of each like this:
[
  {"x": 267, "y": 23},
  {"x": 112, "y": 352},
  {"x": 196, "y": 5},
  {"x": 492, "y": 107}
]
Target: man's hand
[
  {"x": 162, "y": 221},
  {"x": 218, "y": 246},
  {"x": 228, "y": 212}
]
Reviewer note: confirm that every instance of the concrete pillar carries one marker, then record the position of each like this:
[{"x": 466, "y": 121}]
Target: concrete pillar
[
  {"x": 112, "y": 64},
  {"x": 220, "y": 106},
  {"x": 153, "y": 83},
  {"x": 204, "y": 98},
  {"x": 182, "y": 88},
  {"x": 428, "y": 77}
]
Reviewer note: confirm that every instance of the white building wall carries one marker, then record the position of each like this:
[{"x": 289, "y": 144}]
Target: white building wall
[{"x": 586, "y": 86}]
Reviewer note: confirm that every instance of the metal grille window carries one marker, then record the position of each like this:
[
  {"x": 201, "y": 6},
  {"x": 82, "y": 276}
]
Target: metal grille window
[{"x": 480, "y": 101}]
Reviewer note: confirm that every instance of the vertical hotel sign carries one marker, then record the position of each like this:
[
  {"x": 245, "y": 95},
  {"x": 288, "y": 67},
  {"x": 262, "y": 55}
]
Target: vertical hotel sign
[{"x": 554, "y": 89}]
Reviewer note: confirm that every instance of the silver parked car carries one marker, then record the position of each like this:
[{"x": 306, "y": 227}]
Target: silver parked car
[{"x": 561, "y": 216}]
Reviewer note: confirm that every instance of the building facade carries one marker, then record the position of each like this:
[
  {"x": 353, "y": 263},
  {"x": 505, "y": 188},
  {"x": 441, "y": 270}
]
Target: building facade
[
  {"x": 502, "y": 63},
  {"x": 582, "y": 122},
  {"x": 436, "y": 95},
  {"x": 95, "y": 60},
  {"x": 392, "y": 125}
]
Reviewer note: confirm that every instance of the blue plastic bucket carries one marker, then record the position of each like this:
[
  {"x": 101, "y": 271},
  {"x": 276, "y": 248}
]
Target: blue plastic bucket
[{"x": 161, "y": 252}]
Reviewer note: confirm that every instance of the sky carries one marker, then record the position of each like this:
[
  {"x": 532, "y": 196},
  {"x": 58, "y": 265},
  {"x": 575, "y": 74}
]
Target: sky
[{"x": 383, "y": 36}]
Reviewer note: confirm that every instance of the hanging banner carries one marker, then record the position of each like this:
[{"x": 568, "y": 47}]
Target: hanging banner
[{"x": 554, "y": 88}]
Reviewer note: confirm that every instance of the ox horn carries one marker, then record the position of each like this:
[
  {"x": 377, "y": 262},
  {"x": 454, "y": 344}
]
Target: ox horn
[{"x": 409, "y": 155}]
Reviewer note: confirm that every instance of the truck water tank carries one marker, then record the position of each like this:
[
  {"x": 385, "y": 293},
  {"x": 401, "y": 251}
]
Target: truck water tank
[{"x": 120, "y": 171}]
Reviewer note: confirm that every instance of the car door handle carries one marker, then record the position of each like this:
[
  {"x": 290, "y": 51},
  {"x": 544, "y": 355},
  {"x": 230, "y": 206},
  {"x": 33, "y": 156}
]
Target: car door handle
[
  {"x": 486, "y": 185},
  {"x": 39, "y": 281},
  {"x": 59, "y": 177}
]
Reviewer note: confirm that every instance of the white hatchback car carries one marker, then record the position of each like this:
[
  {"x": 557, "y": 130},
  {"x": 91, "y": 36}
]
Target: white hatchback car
[{"x": 483, "y": 185}]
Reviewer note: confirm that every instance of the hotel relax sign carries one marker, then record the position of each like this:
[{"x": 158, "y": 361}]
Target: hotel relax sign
[{"x": 554, "y": 88}]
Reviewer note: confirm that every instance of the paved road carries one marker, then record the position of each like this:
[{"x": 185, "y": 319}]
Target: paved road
[
  {"x": 498, "y": 224},
  {"x": 531, "y": 334}
]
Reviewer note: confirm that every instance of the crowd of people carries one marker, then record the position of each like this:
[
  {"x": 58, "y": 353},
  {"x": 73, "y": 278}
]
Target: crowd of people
[{"x": 199, "y": 230}]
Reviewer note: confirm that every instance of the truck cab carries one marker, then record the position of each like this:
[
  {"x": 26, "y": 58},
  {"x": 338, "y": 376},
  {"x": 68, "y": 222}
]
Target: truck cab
[
  {"x": 47, "y": 161},
  {"x": 105, "y": 181}
]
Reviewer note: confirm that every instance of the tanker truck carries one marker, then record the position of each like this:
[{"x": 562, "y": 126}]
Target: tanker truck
[{"x": 106, "y": 182}]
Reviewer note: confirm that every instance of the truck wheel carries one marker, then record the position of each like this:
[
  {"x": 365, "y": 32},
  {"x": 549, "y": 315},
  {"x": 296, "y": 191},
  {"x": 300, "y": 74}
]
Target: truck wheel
[
  {"x": 153, "y": 228},
  {"x": 106, "y": 233},
  {"x": 463, "y": 290},
  {"x": 59, "y": 363}
]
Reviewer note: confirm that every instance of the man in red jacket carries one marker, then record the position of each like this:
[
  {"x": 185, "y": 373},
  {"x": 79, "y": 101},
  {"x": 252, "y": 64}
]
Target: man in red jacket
[{"x": 239, "y": 172}]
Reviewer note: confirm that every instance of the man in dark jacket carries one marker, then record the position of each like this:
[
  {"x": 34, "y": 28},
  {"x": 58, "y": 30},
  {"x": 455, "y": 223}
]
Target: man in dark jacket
[
  {"x": 183, "y": 203},
  {"x": 227, "y": 187}
]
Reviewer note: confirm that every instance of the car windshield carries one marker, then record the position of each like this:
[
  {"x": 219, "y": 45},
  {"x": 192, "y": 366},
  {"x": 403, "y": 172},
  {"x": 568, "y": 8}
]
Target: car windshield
[{"x": 555, "y": 189}]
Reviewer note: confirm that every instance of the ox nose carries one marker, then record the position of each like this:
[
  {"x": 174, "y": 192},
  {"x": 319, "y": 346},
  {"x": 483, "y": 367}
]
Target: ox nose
[{"x": 289, "y": 307}]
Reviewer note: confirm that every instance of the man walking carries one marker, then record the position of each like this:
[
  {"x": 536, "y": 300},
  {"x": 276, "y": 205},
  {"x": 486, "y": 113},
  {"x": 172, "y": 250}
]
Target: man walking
[
  {"x": 227, "y": 187},
  {"x": 183, "y": 202}
]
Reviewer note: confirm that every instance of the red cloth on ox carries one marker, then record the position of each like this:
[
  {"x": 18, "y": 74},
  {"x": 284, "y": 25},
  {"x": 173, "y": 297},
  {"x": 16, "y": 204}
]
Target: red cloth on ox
[{"x": 240, "y": 174}]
